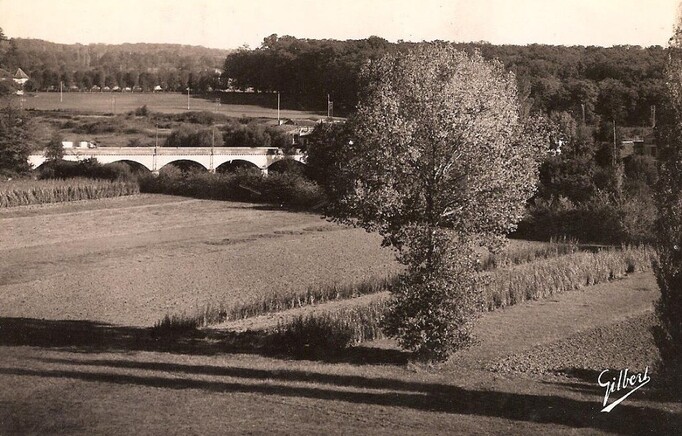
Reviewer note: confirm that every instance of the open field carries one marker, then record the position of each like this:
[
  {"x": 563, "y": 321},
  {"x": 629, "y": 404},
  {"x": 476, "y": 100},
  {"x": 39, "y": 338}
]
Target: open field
[
  {"x": 117, "y": 103},
  {"x": 132, "y": 262},
  {"x": 81, "y": 282}
]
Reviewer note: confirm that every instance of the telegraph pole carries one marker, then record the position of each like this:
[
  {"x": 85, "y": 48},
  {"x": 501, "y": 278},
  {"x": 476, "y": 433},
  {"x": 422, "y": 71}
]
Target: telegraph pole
[
  {"x": 211, "y": 168},
  {"x": 614, "y": 143},
  {"x": 328, "y": 107}
]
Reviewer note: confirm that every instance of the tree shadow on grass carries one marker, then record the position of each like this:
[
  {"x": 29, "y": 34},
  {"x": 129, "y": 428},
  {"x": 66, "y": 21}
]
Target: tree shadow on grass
[
  {"x": 95, "y": 337},
  {"x": 428, "y": 397}
]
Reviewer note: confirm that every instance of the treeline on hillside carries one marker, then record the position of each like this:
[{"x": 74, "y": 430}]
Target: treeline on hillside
[
  {"x": 618, "y": 83},
  {"x": 78, "y": 66}
]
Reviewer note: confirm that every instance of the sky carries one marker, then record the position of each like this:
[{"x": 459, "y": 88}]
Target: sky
[{"x": 233, "y": 23}]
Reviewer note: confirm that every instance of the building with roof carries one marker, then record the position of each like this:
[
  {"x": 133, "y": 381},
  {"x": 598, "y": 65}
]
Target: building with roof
[{"x": 20, "y": 77}]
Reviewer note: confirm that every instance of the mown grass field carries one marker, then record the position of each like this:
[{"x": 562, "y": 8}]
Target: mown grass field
[
  {"x": 81, "y": 283},
  {"x": 118, "y": 102},
  {"x": 132, "y": 262}
]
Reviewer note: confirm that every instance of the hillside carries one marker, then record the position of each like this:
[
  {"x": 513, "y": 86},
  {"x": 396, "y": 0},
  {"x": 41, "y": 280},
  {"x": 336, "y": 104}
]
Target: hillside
[{"x": 173, "y": 66}]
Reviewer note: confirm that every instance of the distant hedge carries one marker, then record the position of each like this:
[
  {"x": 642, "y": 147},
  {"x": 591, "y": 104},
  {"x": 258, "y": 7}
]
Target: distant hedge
[
  {"x": 286, "y": 189},
  {"x": 89, "y": 168}
]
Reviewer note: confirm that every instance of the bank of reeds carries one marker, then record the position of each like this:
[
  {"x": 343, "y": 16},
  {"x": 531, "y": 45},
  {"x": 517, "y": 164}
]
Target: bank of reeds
[
  {"x": 536, "y": 280},
  {"x": 27, "y": 192},
  {"x": 503, "y": 287},
  {"x": 211, "y": 313},
  {"x": 526, "y": 251},
  {"x": 329, "y": 331}
]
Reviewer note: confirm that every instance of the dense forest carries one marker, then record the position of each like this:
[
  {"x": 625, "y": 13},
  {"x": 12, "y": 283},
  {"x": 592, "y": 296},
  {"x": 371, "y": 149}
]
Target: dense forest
[
  {"x": 621, "y": 83},
  {"x": 78, "y": 66}
]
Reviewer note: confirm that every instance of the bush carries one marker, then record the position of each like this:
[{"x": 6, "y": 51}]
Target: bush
[
  {"x": 89, "y": 168},
  {"x": 329, "y": 332},
  {"x": 206, "y": 118},
  {"x": 142, "y": 111},
  {"x": 174, "y": 325},
  {"x": 251, "y": 135},
  {"x": 100, "y": 126},
  {"x": 292, "y": 190},
  {"x": 602, "y": 219},
  {"x": 186, "y": 136}
]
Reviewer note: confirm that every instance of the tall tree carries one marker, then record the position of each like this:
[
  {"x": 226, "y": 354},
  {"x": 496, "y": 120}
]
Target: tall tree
[
  {"x": 441, "y": 161},
  {"x": 54, "y": 150},
  {"x": 669, "y": 228},
  {"x": 14, "y": 141}
]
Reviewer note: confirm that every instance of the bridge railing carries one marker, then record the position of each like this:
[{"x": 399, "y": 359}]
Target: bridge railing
[{"x": 188, "y": 151}]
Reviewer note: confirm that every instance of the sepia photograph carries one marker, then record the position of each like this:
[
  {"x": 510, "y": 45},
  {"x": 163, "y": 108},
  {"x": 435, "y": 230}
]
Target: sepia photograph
[{"x": 361, "y": 217}]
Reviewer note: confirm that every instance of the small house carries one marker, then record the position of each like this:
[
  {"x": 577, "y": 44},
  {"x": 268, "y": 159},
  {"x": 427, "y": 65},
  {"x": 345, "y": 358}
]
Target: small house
[{"x": 20, "y": 77}]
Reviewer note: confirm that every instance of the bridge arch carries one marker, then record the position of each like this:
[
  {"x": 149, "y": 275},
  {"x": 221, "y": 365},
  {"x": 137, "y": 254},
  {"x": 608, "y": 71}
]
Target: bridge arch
[
  {"x": 235, "y": 164},
  {"x": 185, "y": 165},
  {"x": 258, "y": 161},
  {"x": 134, "y": 165},
  {"x": 286, "y": 165}
]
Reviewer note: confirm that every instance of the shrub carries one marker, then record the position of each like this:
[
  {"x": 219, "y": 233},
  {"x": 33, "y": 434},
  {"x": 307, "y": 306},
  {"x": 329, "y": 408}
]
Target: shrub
[
  {"x": 142, "y": 111},
  {"x": 109, "y": 125},
  {"x": 206, "y": 118},
  {"x": 251, "y": 135},
  {"x": 88, "y": 168},
  {"x": 292, "y": 190},
  {"x": 603, "y": 219},
  {"x": 186, "y": 136},
  {"x": 174, "y": 325},
  {"x": 329, "y": 332}
]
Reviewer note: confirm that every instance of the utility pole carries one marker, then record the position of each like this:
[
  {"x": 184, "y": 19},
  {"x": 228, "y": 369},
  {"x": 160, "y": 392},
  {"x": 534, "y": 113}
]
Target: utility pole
[
  {"x": 278, "y": 120},
  {"x": 614, "y": 143},
  {"x": 211, "y": 168},
  {"x": 329, "y": 107}
]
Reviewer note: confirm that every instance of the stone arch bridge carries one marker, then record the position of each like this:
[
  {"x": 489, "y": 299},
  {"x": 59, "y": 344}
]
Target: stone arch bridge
[{"x": 154, "y": 158}]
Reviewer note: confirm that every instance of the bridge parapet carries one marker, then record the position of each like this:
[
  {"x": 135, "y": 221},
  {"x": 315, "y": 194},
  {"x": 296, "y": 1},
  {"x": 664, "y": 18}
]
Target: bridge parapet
[{"x": 155, "y": 158}]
